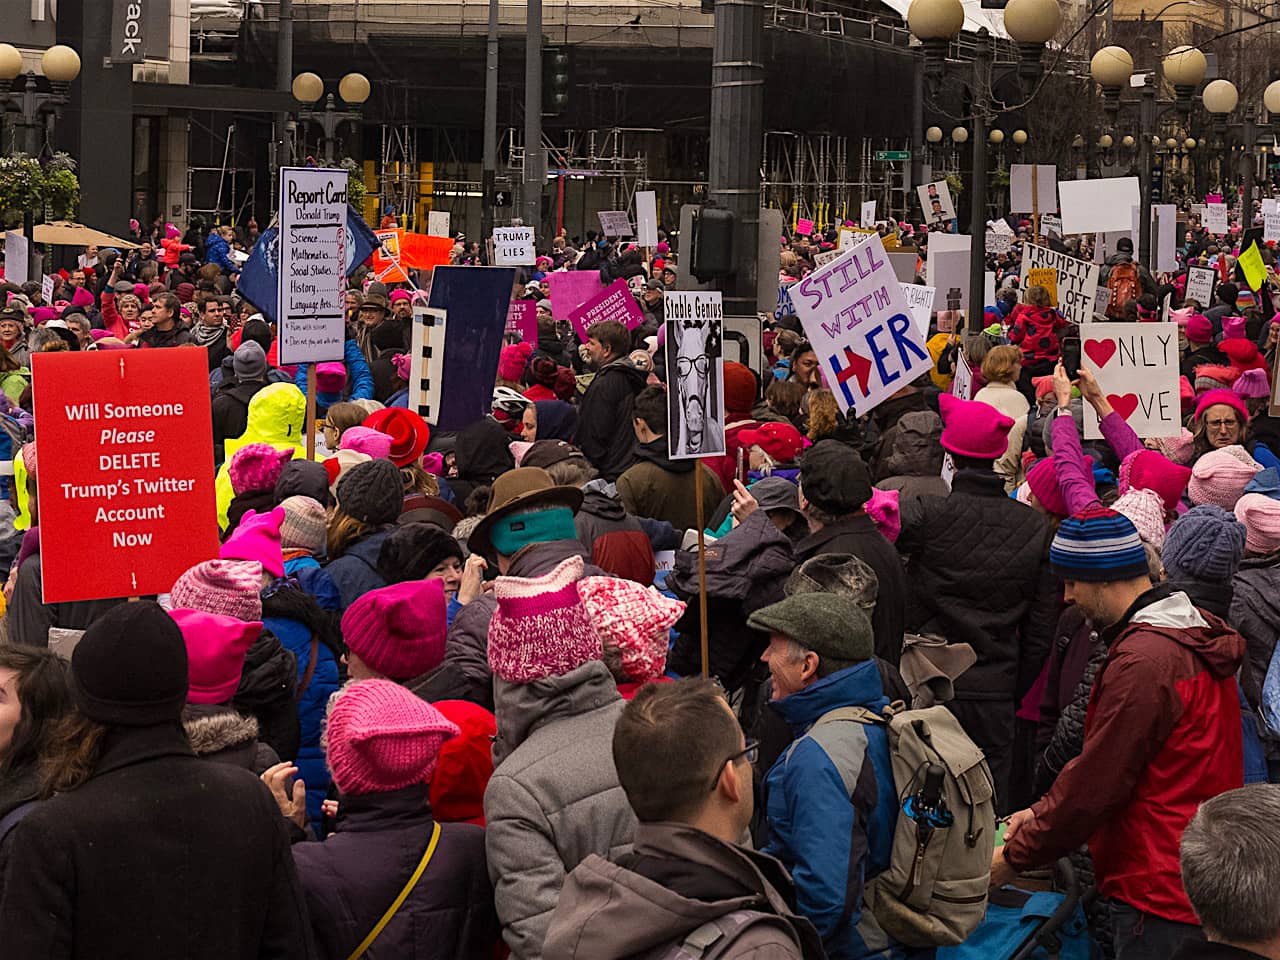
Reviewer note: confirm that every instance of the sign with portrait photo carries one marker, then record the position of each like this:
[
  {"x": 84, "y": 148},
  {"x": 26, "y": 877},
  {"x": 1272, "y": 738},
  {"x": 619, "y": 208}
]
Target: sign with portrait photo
[
  {"x": 935, "y": 201},
  {"x": 695, "y": 374}
]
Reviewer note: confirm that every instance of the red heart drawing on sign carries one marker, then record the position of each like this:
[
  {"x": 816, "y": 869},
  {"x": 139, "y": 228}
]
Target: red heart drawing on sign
[
  {"x": 1100, "y": 351},
  {"x": 1123, "y": 403}
]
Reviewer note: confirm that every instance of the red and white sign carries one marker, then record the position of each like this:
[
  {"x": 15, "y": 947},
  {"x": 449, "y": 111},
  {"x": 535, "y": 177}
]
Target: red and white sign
[
  {"x": 614, "y": 302},
  {"x": 522, "y": 319},
  {"x": 125, "y": 496}
]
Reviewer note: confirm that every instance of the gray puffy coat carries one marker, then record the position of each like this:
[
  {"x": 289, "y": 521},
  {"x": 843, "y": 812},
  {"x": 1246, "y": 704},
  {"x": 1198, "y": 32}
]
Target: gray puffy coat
[{"x": 554, "y": 797}]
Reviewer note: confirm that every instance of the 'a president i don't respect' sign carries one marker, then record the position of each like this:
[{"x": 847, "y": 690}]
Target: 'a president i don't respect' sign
[{"x": 125, "y": 498}]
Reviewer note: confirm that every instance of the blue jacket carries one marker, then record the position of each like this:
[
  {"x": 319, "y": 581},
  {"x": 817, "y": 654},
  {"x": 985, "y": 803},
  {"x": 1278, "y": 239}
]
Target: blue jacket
[
  {"x": 311, "y": 708},
  {"x": 813, "y": 792},
  {"x": 313, "y": 580},
  {"x": 355, "y": 573},
  {"x": 218, "y": 252},
  {"x": 359, "y": 379}
]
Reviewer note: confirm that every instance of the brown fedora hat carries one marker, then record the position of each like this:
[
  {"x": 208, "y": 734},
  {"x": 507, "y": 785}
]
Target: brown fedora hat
[{"x": 516, "y": 491}]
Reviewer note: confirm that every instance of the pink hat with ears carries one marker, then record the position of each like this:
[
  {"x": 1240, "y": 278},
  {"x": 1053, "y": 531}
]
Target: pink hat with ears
[
  {"x": 81, "y": 298},
  {"x": 257, "y": 466},
  {"x": 367, "y": 440},
  {"x": 216, "y": 646},
  {"x": 883, "y": 509},
  {"x": 257, "y": 538},
  {"x": 171, "y": 232},
  {"x": 973, "y": 429}
]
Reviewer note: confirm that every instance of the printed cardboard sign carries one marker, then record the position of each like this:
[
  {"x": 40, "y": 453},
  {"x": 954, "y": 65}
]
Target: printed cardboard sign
[
  {"x": 1050, "y": 225},
  {"x": 1215, "y": 218},
  {"x": 804, "y": 227},
  {"x": 695, "y": 374},
  {"x": 997, "y": 242},
  {"x": 1136, "y": 365},
  {"x": 514, "y": 247},
  {"x": 126, "y": 503},
  {"x": 46, "y": 289},
  {"x": 1101, "y": 301},
  {"x": 1200, "y": 284},
  {"x": 861, "y": 327},
  {"x": 920, "y": 300},
  {"x": 572, "y": 288},
  {"x": 614, "y": 302},
  {"x": 1271, "y": 226},
  {"x": 522, "y": 320},
  {"x": 935, "y": 201},
  {"x": 437, "y": 223},
  {"x": 647, "y": 218},
  {"x": 1046, "y": 277},
  {"x": 313, "y": 257},
  {"x": 615, "y": 223},
  {"x": 868, "y": 218},
  {"x": 1090, "y": 206},
  {"x": 962, "y": 382},
  {"x": 1077, "y": 281}
]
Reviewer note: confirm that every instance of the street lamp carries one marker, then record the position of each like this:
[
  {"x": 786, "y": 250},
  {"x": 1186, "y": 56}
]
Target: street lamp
[
  {"x": 996, "y": 136},
  {"x": 1020, "y": 137},
  {"x": 1220, "y": 98},
  {"x": 309, "y": 88},
  {"x": 933, "y": 135},
  {"x": 37, "y": 109}
]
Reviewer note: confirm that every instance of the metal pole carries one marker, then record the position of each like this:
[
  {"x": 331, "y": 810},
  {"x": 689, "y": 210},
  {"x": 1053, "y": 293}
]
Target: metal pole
[
  {"x": 737, "y": 138},
  {"x": 531, "y": 193},
  {"x": 917, "y": 128},
  {"x": 1250, "y": 141},
  {"x": 1146, "y": 130},
  {"x": 284, "y": 82},
  {"x": 30, "y": 123},
  {"x": 489, "y": 174},
  {"x": 978, "y": 201}
]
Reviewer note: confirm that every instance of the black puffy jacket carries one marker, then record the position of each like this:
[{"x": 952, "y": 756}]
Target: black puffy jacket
[{"x": 978, "y": 573}]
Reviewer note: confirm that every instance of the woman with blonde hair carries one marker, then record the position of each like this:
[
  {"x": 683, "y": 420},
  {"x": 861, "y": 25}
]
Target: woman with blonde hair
[{"x": 1001, "y": 368}]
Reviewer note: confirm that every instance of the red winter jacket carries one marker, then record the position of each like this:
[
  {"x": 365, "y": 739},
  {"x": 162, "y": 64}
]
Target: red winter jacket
[
  {"x": 1162, "y": 735},
  {"x": 1035, "y": 329}
]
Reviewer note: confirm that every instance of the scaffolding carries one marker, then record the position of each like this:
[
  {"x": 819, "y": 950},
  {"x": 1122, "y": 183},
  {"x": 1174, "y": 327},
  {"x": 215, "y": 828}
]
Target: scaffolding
[
  {"x": 811, "y": 176},
  {"x": 616, "y": 154}
]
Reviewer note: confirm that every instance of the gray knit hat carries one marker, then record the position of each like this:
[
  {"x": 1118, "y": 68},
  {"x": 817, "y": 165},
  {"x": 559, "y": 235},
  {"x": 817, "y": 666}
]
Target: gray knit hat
[
  {"x": 1205, "y": 545},
  {"x": 372, "y": 491},
  {"x": 829, "y": 624}
]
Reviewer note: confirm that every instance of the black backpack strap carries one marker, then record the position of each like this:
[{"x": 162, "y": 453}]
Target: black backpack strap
[{"x": 14, "y": 817}]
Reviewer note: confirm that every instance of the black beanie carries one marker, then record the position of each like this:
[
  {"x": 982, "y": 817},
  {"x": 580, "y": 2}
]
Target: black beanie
[
  {"x": 414, "y": 550},
  {"x": 372, "y": 492},
  {"x": 304, "y": 478},
  {"x": 130, "y": 667}
]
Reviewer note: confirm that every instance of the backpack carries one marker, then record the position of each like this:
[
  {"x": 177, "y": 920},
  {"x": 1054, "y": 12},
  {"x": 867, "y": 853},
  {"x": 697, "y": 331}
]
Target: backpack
[
  {"x": 1125, "y": 285},
  {"x": 713, "y": 939},
  {"x": 934, "y": 891}
]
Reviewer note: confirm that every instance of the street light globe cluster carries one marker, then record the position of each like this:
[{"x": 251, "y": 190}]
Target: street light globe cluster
[
  {"x": 1184, "y": 66},
  {"x": 1220, "y": 96},
  {"x": 933, "y": 134},
  {"x": 308, "y": 87},
  {"x": 59, "y": 63},
  {"x": 1111, "y": 66},
  {"x": 1028, "y": 21}
]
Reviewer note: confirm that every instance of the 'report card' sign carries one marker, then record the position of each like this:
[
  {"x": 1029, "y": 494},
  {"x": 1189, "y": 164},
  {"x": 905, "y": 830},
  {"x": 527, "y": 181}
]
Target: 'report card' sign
[{"x": 125, "y": 495}]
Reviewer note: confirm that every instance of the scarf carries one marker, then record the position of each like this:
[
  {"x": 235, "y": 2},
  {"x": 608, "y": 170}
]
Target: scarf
[{"x": 205, "y": 336}]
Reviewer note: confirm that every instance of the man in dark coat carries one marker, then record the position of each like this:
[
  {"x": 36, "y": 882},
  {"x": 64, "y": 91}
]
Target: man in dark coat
[
  {"x": 231, "y": 398},
  {"x": 604, "y": 426},
  {"x": 834, "y": 489},
  {"x": 155, "y": 853}
]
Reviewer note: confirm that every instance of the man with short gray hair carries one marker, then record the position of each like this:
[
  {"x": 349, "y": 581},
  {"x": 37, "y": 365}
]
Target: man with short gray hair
[{"x": 1231, "y": 872}]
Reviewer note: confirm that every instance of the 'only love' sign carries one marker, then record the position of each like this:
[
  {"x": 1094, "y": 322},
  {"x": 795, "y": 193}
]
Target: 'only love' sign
[{"x": 1136, "y": 365}]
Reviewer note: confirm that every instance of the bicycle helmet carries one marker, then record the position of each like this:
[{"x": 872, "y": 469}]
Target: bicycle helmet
[{"x": 506, "y": 400}]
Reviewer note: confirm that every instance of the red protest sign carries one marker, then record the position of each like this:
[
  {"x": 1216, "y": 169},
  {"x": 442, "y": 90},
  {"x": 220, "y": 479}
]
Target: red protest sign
[
  {"x": 125, "y": 497},
  {"x": 614, "y": 302},
  {"x": 522, "y": 319}
]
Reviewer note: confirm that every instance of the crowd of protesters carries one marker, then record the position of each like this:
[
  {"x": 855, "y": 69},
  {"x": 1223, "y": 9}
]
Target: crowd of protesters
[{"x": 438, "y": 695}]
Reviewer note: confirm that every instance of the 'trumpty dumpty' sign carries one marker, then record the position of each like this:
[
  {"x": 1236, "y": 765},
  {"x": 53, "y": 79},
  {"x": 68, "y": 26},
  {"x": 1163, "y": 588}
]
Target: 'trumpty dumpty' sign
[{"x": 125, "y": 500}]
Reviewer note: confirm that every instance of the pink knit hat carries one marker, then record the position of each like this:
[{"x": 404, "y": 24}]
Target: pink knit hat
[
  {"x": 635, "y": 620},
  {"x": 1146, "y": 510},
  {"x": 398, "y": 630},
  {"x": 366, "y": 440},
  {"x": 1226, "y": 397},
  {"x": 973, "y": 429},
  {"x": 216, "y": 646},
  {"x": 1232, "y": 328},
  {"x": 228, "y": 587},
  {"x": 257, "y": 466},
  {"x": 1148, "y": 470},
  {"x": 884, "y": 512},
  {"x": 1220, "y": 476},
  {"x": 257, "y": 538},
  {"x": 1261, "y": 518},
  {"x": 1199, "y": 329},
  {"x": 541, "y": 628},
  {"x": 512, "y": 360},
  {"x": 1252, "y": 384},
  {"x": 1042, "y": 478},
  {"x": 330, "y": 377},
  {"x": 1179, "y": 449},
  {"x": 381, "y": 738}
]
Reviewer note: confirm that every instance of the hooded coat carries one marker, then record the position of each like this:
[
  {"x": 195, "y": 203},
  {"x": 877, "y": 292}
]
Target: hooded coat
[
  {"x": 554, "y": 797},
  {"x": 615, "y": 539},
  {"x": 605, "y": 436},
  {"x": 676, "y": 879},
  {"x": 482, "y": 453},
  {"x": 661, "y": 488},
  {"x": 355, "y": 573},
  {"x": 224, "y": 735},
  {"x": 1162, "y": 735},
  {"x": 231, "y": 402},
  {"x": 275, "y": 417}
]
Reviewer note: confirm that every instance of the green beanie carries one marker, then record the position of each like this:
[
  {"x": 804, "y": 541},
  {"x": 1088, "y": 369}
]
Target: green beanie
[{"x": 829, "y": 624}]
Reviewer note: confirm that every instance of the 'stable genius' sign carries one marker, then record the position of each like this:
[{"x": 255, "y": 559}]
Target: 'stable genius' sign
[{"x": 125, "y": 470}]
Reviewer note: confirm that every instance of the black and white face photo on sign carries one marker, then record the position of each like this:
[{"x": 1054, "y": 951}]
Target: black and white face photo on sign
[
  {"x": 695, "y": 386},
  {"x": 935, "y": 201}
]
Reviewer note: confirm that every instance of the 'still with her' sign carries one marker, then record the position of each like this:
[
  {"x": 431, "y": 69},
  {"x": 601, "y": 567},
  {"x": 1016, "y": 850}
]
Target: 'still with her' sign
[{"x": 125, "y": 490}]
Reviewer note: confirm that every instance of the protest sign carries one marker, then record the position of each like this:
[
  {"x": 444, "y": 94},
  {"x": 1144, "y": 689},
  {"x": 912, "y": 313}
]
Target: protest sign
[
  {"x": 1136, "y": 365},
  {"x": 126, "y": 503},
  {"x": 572, "y": 288},
  {"x": 825, "y": 256},
  {"x": 614, "y": 302},
  {"x": 920, "y": 300},
  {"x": 962, "y": 382},
  {"x": 1164, "y": 236},
  {"x": 695, "y": 373},
  {"x": 522, "y": 320},
  {"x": 949, "y": 273},
  {"x": 1212, "y": 198},
  {"x": 1077, "y": 281},
  {"x": 1271, "y": 226},
  {"x": 935, "y": 201},
  {"x": 1215, "y": 218},
  {"x": 313, "y": 255},
  {"x": 1033, "y": 188},
  {"x": 1046, "y": 277},
  {"x": 804, "y": 227},
  {"x": 1268, "y": 205},
  {"x": 514, "y": 247},
  {"x": 15, "y": 257},
  {"x": 1101, "y": 301},
  {"x": 437, "y": 223},
  {"x": 1089, "y": 206},
  {"x": 904, "y": 264},
  {"x": 46, "y": 289},
  {"x": 401, "y": 251},
  {"x": 647, "y": 218},
  {"x": 868, "y": 219},
  {"x": 615, "y": 223},
  {"x": 1050, "y": 225},
  {"x": 857, "y": 318},
  {"x": 1200, "y": 284},
  {"x": 997, "y": 242},
  {"x": 1251, "y": 265}
]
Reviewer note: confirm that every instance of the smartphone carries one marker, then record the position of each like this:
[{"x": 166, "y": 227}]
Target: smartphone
[
  {"x": 1071, "y": 356},
  {"x": 739, "y": 472}
]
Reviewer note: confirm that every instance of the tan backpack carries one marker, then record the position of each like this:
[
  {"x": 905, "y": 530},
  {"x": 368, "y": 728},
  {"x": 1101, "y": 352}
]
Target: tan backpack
[{"x": 934, "y": 891}]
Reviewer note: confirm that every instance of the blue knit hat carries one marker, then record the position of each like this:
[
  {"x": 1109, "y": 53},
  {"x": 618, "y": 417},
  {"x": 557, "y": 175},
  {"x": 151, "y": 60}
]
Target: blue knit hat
[
  {"x": 1205, "y": 545},
  {"x": 1097, "y": 545},
  {"x": 1266, "y": 483}
]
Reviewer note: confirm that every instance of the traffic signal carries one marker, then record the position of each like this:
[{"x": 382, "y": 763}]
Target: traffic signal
[
  {"x": 713, "y": 252},
  {"x": 555, "y": 81}
]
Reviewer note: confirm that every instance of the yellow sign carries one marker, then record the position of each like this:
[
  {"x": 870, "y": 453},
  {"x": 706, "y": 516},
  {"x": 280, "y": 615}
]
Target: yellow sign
[
  {"x": 1046, "y": 277},
  {"x": 1255, "y": 271}
]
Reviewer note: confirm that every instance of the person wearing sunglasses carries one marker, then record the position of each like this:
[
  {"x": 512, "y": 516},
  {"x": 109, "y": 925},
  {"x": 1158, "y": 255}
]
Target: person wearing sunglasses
[{"x": 686, "y": 881}]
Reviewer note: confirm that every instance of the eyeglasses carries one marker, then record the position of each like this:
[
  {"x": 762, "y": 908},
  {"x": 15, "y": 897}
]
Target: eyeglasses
[
  {"x": 684, "y": 364},
  {"x": 751, "y": 753},
  {"x": 1220, "y": 424}
]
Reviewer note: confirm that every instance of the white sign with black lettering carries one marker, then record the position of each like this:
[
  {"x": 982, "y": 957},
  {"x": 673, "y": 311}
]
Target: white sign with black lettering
[
  {"x": 1215, "y": 218},
  {"x": 513, "y": 247},
  {"x": 920, "y": 300},
  {"x": 1077, "y": 281},
  {"x": 313, "y": 259},
  {"x": 1200, "y": 282},
  {"x": 615, "y": 223}
]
